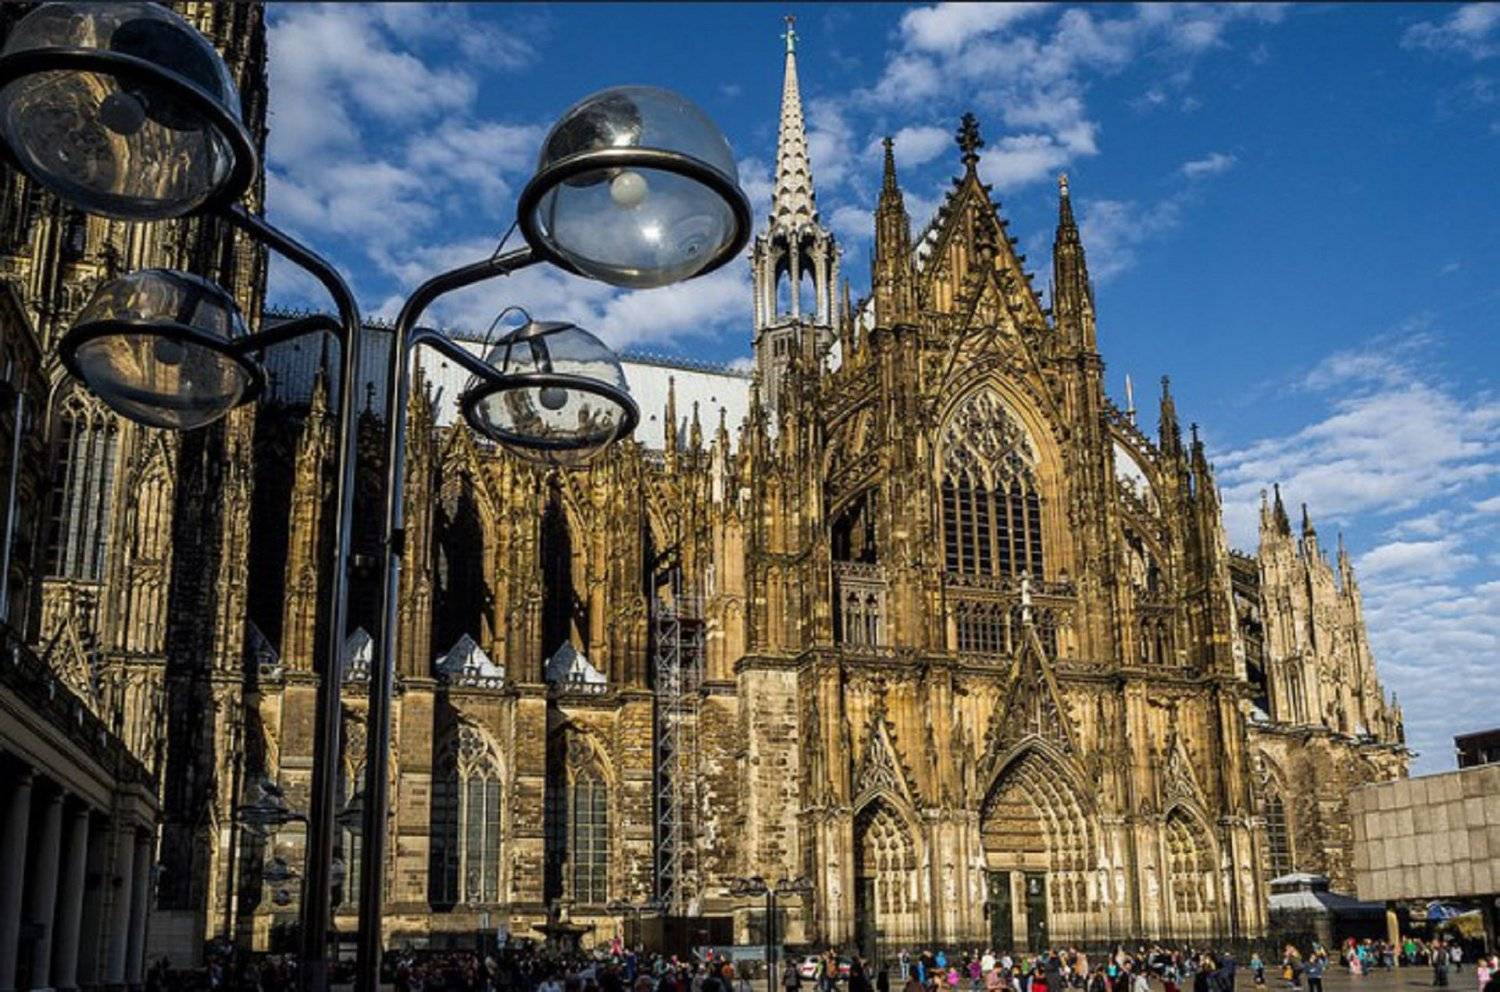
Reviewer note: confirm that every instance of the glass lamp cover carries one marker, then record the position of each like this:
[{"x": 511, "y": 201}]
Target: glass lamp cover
[
  {"x": 552, "y": 422},
  {"x": 637, "y": 226},
  {"x": 163, "y": 357},
  {"x": 118, "y": 146}
]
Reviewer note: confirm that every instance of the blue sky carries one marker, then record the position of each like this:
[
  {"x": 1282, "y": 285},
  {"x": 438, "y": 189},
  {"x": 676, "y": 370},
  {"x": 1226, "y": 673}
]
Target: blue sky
[{"x": 1290, "y": 210}]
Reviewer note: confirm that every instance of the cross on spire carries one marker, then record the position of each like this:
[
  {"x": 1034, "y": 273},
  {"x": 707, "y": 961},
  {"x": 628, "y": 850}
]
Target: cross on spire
[
  {"x": 969, "y": 140},
  {"x": 791, "y": 32}
]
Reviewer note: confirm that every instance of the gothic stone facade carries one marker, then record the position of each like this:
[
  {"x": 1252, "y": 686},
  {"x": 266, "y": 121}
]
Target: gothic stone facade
[
  {"x": 126, "y": 572},
  {"x": 913, "y": 611}
]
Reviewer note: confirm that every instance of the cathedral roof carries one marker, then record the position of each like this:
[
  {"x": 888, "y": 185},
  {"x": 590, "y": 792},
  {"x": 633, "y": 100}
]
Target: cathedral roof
[{"x": 716, "y": 390}]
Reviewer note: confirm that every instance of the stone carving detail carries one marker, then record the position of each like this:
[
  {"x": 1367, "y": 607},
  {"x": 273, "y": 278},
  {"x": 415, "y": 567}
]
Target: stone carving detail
[
  {"x": 985, "y": 439},
  {"x": 467, "y": 664}
]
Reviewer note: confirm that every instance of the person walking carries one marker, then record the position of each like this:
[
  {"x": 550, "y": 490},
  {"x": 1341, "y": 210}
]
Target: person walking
[
  {"x": 1315, "y": 968},
  {"x": 1439, "y": 965}
]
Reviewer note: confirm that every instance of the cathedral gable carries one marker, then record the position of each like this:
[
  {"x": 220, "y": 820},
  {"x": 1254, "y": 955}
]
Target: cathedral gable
[
  {"x": 1031, "y": 709},
  {"x": 880, "y": 770}
]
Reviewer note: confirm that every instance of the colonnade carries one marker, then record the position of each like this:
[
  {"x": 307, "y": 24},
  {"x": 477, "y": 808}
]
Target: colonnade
[{"x": 75, "y": 882}]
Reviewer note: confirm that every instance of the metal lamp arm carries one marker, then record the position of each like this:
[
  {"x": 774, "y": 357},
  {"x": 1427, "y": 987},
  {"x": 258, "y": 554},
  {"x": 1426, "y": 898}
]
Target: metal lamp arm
[
  {"x": 289, "y": 330},
  {"x": 301, "y": 256},
  {"x": 317, "y": 881},
  {"x": 449, "y": 349},
  {"x": 383, "y": 668}
]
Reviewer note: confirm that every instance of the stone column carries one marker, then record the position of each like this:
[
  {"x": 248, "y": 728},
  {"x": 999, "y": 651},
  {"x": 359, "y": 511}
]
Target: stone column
[
  {"x": 1393, "y": 930},
  {"x": 140, "y": 892},
  {"x": 123, "y": 870},
  {"x": 93, "y": 940},
  {"x": 70, "y": 902},
  {"x": 13, "y": 831},
  {"x": 43, "y": 901}
]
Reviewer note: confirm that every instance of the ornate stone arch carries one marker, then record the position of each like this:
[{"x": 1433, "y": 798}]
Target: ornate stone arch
[
  {"x": 1037, "y": 816},
  {"x": 580, "y": 816},
  {"x": 470, "y": 783},
  {"x": 465, "y": 539},
  {"x": 1190, "y": 864},
  {"x": 1276, "y": 816},
  {"x": 887, "y": 855},
  {"x": 999, "y": 473}
]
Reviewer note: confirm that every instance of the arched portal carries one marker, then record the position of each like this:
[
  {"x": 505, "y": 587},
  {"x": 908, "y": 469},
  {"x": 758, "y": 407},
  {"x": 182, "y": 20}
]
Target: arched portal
[
  {"x": 1038, "y": 841},
  {"x": 886, "y": 896},
  {"x": 1192, "y": 893}
]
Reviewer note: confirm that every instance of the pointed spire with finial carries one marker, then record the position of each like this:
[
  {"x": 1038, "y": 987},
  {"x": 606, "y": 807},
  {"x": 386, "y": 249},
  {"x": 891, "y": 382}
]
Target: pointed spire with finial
[
  {"x": 892, "y": 278},
  {"x": 669, "y": 421},
  {"x": 793, "y": 202},
  {"x": 1129, "y": 400},
  {"x": 1170, "y": 433},
  {"x": 1283, "y": 523},
  {"x": 1072, "y": 296},
  {"x": 969, "y": 141}
]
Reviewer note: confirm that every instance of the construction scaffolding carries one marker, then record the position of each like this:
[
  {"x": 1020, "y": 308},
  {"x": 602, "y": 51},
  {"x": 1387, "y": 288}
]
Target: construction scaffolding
[{"x": 677, "y": 648}]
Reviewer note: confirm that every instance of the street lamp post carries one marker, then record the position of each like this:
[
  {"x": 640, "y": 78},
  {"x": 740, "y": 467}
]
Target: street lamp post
[
  {"x": 126, "y": 110},
  {"x": 635, "y": 910},
  {"x": 755, "y": 885}
]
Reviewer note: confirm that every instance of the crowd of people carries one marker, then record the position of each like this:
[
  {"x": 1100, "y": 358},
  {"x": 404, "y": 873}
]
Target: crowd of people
[{"x": 526, "y": 967}]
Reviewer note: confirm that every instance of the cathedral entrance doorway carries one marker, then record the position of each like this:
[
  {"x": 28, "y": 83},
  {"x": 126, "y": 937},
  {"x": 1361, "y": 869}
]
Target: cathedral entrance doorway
[
  {"x": 1036, "y": 910},
  {"x": 1035, "y": 836},
  {"x": 998, "y": 906},
  {"x": 885, "y": 879}
]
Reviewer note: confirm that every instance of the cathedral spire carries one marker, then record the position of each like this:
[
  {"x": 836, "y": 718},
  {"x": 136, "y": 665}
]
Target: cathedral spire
[
  {"x": 892, "y": 277},
  {"x": 969, "y": 141},
  {"x": 669, "y": 423},
  {"x": 1072, "y": 296},
  {"x": 1171, "y": 434},
  {"x": 795, "y": 260},
  {"x": 1282, "y": 523},
  {"x": 793, "y": 202}
]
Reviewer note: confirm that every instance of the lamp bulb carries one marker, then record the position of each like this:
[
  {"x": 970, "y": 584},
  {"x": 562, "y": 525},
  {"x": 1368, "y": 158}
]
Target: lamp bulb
[
  {"x": 553, "y": 397},
  {"x": 168, "y": 351},
  {"x": 628, "y": 189},
  {"x": 123, "y": 112}
]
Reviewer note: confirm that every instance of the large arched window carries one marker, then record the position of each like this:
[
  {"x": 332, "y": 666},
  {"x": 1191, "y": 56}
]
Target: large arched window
[
  {"x": 992, "y": 505},
  {"x": 1278, "y": 837},
  {"x": 576, "y": 822},
  {"x": 462, "y": 597},
  {"x": 466, "y": 820},
  {"x": 590, "y": 802},
  {"x": 85, "y": 446}
]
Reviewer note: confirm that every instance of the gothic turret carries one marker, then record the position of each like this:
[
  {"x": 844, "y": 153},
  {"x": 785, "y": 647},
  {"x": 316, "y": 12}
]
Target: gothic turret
[
  {"x": 1170, "y": 438},
  {"x": 892, "y": 278},
  {"x": 1072, "y": 296},
  {"x": 795, "y": 261}
]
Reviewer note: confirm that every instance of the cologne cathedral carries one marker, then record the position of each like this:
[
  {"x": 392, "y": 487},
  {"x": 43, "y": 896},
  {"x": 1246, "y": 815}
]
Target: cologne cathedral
[{"x": 910, "y": 613}]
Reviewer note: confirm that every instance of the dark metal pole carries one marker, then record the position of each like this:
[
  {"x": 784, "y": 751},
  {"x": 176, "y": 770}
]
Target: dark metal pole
[
  {"x": 18, "y": 425},
  {"x": 770, "y": 939},
  {"x": 383, "y": 666},
  {"x": 326, "y": 728}
]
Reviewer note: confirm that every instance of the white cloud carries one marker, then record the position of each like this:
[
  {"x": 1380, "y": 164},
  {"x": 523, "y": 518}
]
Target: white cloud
[
  {"x": 342, "y": 78},
  {"x": 1114, "y": 230},
  {"x": 1209, "y": 165},
  {"x": 1436, "y": 559},
  {"x": 1392, "y": 439},
  {"x": 946, "y": 26},
  {"x": 1466, "y": 31},
  {"x": 914, "y": 145},
  {"x": 1490, "y": 505},
  {"x": 1036, "y": 73}
]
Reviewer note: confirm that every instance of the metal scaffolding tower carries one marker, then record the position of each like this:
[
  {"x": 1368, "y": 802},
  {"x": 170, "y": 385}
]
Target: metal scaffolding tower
[{"x": 677, "y": 635}]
